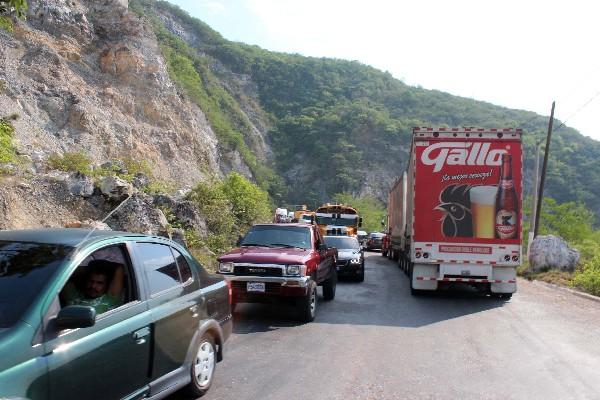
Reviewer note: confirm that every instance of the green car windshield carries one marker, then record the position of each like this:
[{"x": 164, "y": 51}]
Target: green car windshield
[{"x": 25, "y": 268}]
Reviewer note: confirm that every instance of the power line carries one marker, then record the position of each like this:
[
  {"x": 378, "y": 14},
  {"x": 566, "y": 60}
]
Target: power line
[{"x": 578, "y": 110}]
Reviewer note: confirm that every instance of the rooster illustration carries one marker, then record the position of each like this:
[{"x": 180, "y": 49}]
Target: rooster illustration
[{"x": 456, "y": 206}]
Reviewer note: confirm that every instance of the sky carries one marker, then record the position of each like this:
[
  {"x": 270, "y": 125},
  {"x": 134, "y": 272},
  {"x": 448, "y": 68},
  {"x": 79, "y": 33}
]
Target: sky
[{"x": 518, "y": 54}]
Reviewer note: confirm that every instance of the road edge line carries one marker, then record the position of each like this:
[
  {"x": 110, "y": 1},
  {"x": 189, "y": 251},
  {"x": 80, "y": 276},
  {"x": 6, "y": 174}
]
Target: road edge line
[{"x": 566, "y": 289}]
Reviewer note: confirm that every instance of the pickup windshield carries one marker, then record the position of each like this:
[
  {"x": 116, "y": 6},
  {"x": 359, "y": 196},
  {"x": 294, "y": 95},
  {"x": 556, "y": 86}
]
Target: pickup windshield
[
  {"x": 24, "y": 270},
  {"x": 278, "y": 236}
]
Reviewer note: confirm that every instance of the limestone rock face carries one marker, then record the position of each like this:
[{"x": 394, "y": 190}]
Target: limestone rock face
[
  {"x": 116, "y": 188},
  {"x": 552, "y": 252},
  {"x": 80, "y": 186},
  {"x": 138, "y": 214}
]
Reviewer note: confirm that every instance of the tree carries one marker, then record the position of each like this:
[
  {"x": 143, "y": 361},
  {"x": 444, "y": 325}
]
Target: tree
[
  {"x": 571, "y": 221},
  {"x": 249, "y": 203}
]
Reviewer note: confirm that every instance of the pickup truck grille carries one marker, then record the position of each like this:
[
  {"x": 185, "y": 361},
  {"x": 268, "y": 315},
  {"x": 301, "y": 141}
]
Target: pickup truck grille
[
  {"x": 270, "y": 287},
  {"x": 256, "y": 270}
]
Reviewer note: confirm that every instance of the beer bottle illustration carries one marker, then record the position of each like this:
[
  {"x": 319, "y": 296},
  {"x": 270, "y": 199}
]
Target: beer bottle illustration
[{"x": 507, "y": 205}]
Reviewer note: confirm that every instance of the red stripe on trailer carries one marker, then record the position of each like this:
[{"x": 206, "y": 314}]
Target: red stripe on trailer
[{"x": 470, "y": 280}]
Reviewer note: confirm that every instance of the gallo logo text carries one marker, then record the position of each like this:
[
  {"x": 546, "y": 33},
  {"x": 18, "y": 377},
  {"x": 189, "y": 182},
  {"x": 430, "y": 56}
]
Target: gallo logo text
[{"x": 461, "y": 153}]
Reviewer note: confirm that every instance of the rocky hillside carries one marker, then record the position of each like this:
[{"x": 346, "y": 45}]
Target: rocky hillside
[
  {"x": 88, "y": 77},
  {"x": 143, "y": 91}
]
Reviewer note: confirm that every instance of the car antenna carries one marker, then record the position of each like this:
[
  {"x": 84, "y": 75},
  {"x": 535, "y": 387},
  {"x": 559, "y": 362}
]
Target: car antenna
[{"x": 105, "y": 218}]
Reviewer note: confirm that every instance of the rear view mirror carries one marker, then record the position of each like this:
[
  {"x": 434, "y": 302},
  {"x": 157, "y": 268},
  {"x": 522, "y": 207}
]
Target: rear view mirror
[{"x": 72, "y": 317}]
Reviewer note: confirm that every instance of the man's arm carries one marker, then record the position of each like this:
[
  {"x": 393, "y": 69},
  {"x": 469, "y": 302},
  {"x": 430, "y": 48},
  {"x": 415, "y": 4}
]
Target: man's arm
[{"x": 116, "y": 285}]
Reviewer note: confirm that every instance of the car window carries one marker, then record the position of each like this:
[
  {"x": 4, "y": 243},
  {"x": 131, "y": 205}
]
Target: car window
[
  {"x": 184, "y": 267},
  {"x": 25, "y": 268},
  {"x": 160, "y": 266},
  {"x": 103, "y": 281}
]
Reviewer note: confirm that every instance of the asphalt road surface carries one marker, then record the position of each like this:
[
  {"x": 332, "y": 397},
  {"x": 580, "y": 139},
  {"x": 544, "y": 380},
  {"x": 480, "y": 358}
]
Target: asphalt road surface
[{"x": 376, "y": 341}]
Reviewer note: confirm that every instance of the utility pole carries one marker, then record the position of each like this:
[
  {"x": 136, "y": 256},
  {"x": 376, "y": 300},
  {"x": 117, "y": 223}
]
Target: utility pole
[
  {"x": 536, "y": 180},
  {"x": 541, "y": 191}
]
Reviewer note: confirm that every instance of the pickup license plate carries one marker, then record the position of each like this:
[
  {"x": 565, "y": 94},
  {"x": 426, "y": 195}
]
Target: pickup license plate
[{"x": 255, "y": 287}]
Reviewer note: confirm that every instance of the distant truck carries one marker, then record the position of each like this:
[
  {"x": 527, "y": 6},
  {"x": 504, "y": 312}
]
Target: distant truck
[
  {"x": 278, "y": 263},
  {"x": 338, "y": 219},
  {"x": 455, "y": 214},
  {"x": 281, "y": 216}
]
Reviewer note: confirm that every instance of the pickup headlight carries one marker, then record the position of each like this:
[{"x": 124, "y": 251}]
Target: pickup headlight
[
  {"x": 355, "y": 261},
  {"x": 295, "y": 270},
  {"x": 226, "y": 267}
]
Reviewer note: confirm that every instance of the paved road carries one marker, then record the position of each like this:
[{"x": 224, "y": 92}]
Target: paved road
[{"x": 376, "y": 341}]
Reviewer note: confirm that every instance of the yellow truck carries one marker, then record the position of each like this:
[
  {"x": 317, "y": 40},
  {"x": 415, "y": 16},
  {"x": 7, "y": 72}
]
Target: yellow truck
[{"x": 338, "y": 219}]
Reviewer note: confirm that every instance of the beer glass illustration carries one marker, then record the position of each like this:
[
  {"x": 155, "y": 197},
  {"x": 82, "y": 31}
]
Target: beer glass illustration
[{"x": 483, "y": 210}]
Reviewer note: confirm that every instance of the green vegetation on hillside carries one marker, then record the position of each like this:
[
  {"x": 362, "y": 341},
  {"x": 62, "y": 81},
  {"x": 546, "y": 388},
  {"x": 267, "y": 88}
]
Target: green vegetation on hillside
[
  {"x": 8, "y": 151},
  {"x": 230, "y": 207},
  {"x": 370, "y": 209},
  {"x": 71, "y": 162},
  {"x": 574, "y": 223},
  {"x": 192, "y": 73},
  {"x": 13, "y": 7},
  {"x": 334, "y": 120}
]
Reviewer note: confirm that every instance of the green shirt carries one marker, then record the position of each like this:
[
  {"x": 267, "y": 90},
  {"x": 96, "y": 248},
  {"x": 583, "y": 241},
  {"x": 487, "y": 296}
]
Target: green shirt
[{"x": 102, "y": 304}]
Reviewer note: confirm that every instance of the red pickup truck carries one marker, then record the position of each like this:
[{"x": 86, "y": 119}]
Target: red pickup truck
[{"x": 278, "y": 263}]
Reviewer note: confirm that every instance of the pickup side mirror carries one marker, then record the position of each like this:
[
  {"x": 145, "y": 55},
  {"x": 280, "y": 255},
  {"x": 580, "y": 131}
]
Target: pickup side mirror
[
  {"x": 322, "y": 247},
  {"x": 72, "y": 317},
  {"x": 239, "y": 240},
  {"x": 360, "y": 222}
]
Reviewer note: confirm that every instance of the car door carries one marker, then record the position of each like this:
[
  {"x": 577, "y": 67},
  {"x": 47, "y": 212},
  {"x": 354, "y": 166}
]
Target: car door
[
  {"x": 175, "y": 304},
  {"x": 109, "y": 360},
  {"x": 324, "y": 262}
]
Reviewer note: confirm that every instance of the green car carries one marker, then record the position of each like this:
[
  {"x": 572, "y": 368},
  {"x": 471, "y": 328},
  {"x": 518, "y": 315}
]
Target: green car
[{"x": 106, "y": 315}]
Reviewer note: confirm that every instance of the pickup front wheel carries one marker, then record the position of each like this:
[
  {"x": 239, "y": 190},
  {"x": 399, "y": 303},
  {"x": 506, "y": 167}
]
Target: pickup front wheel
[
  {"x": 329, "y": 287},
  {"x": 307, "y": 306}
]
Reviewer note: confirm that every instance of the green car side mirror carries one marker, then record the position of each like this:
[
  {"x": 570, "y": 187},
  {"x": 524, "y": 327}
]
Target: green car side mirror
[{"x": 72, "y": 317}]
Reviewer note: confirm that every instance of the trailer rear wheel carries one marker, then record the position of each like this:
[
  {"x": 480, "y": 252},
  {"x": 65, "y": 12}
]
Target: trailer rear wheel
[{"x": 502, "y": 296}]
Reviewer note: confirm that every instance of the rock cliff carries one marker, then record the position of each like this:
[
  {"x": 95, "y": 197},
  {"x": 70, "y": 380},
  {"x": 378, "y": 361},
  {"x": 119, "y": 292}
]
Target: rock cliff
[{"x": 88, "y": 76}]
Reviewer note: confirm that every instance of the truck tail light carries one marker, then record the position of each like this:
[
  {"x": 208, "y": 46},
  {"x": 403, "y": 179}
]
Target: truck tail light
[
  {"x": 418, "y": 254},
  {"x": 515, "y": 258},
  {"x": 425, "y": 255},
  {"x": 507, "y": 258}
]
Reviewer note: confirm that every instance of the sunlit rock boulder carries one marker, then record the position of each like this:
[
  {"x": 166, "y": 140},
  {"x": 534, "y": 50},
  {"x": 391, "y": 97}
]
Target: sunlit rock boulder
[{"x": 552, "y": 252}]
